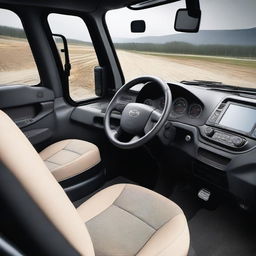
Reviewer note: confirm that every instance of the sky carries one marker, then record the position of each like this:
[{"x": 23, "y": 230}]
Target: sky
[{"x": 216, "y": 14}]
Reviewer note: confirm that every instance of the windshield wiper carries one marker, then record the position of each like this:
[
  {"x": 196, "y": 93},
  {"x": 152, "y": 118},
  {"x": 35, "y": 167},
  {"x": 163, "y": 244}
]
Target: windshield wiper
[{"x": 220, "y": 86}]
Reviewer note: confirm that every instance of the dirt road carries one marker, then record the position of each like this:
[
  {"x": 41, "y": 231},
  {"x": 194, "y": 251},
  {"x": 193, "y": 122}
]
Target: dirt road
[
  {"x": 18, "y": 67},
  {"x": 171, "y": 68},
  {"x": 83, "y": 60}
]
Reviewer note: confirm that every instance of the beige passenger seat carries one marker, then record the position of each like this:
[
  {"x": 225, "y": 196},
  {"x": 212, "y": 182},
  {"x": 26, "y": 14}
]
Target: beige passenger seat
[
  {"x": 68, "y": 158},
  {"x": 76, "y": 165}
]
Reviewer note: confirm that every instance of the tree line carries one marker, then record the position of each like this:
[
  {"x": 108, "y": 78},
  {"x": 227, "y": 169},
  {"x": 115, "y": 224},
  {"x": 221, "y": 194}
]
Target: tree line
[
  {"x": 12, "y": 32},
  {"x": 19, "y": 33},
  {"x": 187, "y": 48},
  {"x": 172, "y": 47}
]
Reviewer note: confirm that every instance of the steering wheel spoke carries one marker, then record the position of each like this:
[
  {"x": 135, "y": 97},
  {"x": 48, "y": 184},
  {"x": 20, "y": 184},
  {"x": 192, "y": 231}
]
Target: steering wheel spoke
[
  {"x": 152, "y": 121},
  {"x": 117, "y": 133},
  {"x": 156, "y": 115},
  {"x": 135, "y": 138},
  {"x": 119, "y": 107}
]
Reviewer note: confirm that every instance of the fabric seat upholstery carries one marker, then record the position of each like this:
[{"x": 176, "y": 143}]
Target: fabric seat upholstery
[
  {"x": 126, "y": 220},
  {"x": 68, "y": 158},
  {"x": 122, "y": 220}
]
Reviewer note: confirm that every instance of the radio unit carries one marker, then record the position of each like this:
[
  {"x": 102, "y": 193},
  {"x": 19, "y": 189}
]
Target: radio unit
[
  {"x": 229, "y": 119},
  {"x": 236, "y": 117}
]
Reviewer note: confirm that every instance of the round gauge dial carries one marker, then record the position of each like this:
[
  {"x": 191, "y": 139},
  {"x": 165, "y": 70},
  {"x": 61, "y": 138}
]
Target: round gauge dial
[
  {"x": 180, "y": 106},
  {"x": 195, "y": 110},
  {"x": 148, "y": 102}
]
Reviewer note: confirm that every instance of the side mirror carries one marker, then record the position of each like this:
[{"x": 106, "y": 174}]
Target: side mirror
[
  {"x": 99, "y": 77},
  {"x": 138, "y": 26},
  {"x": 67, "y": 65},
  {"x": 186, "y": 21}
]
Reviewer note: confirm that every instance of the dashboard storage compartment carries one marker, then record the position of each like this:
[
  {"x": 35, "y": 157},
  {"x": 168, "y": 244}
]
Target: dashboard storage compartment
[{"x": 215, "y": 160}]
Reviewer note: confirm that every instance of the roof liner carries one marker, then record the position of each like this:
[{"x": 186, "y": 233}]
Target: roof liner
[{"x": 75, "y": 5}]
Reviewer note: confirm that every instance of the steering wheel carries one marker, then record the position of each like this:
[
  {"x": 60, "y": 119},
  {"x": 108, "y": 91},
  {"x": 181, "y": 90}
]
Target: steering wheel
[{"x": 140, "y": 121}]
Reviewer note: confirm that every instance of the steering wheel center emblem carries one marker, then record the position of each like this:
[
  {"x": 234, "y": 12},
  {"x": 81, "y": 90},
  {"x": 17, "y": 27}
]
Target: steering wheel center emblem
[{"x": 134, "y": 113}]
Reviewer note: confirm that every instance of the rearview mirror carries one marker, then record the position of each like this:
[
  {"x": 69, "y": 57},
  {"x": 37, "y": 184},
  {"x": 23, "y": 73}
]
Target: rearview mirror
[
  {"x": 186, "y": 22},
  {"x": 138, "y": 26}
]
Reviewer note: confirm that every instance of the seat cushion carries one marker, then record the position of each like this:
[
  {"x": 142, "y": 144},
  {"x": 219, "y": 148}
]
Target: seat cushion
[
  {"x": 68, "y": 158},
  {"x": 129, "y": 220}
]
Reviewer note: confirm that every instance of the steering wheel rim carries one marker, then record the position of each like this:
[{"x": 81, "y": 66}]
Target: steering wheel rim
[{"x": 137, "y": 140}]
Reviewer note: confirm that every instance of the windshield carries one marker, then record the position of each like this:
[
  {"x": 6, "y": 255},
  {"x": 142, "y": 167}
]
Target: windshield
[{"x": 224, "y": 50}]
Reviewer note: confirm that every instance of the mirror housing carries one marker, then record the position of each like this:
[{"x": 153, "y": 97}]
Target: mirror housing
[
  {"x": 189, "y": 19},
  {"x": 99, "y": 77},
  {"x": 138, "y": 26},
  {"x": 185, "y": 22}
]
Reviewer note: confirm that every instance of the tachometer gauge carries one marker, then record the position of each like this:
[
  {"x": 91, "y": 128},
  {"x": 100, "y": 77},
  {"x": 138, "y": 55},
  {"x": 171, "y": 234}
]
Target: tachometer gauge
[
  {"x": 180, "y": 106},
  {"x": 195, "y": 110}
]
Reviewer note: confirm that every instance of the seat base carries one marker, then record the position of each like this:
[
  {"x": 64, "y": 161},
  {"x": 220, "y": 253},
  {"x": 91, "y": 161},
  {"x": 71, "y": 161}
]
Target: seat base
[{"x": 85, "y": 183}]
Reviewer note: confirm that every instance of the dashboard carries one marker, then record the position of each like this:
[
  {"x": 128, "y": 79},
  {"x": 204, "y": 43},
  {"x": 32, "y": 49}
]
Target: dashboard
[{"x": 215, "y": 128}]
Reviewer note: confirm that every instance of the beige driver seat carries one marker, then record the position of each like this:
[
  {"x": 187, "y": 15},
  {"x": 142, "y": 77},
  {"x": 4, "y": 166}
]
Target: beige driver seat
[{"x": 121, "y": 220}]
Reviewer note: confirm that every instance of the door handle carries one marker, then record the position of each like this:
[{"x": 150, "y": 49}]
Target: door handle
[{"x": 45, "y": 108}]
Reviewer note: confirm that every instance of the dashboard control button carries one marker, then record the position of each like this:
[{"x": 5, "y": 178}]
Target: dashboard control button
[
  {"x": 237, "y": 141},
  {"x": 209, "y": 131},
  {"x": 188, "y": 138},
  {"x": 215, "y": 116}
]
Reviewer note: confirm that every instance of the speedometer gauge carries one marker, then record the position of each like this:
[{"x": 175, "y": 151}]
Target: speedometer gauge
[
  {"x": 195, "y": 110},
  {"x": 180, "y": 106}
]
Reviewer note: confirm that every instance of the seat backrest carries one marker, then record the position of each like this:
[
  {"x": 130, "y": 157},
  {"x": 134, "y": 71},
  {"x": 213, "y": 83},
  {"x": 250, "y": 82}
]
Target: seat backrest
[{"x": 20, "y": 157}]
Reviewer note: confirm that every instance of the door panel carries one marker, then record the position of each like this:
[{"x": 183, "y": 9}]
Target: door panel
[
  {"x": 20, "y": 95},
  {"x": 28, "y": 107}
]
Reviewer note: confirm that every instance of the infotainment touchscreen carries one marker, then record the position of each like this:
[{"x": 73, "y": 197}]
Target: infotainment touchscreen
[{"x": 239, "y": 118}]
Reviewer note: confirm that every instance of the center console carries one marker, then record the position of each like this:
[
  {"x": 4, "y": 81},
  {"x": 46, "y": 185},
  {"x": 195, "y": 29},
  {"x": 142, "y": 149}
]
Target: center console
[{"x": 232, "y": 125}]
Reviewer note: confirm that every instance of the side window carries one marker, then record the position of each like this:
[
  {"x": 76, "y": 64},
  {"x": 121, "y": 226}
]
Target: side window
[
  {"x": 17, "y": 65},
  {"x": 82, "y": 55}
]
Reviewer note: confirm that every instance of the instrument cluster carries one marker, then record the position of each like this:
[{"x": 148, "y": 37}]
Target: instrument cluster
[{"x": 180, "y": 107}]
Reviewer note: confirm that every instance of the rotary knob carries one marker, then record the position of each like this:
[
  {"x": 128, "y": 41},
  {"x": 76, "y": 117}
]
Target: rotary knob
[
  {"x": 209, "y": 131},
  {"x": 237, "y": 141}
]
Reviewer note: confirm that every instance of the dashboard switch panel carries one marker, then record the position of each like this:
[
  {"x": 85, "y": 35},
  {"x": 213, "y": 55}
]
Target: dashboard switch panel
[{"x": 223, "y": 138}]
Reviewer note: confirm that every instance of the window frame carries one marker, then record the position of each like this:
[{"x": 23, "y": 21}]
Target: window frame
[
  {"x": 65, "y": 82},
  {"x": 104, "y": 21}
]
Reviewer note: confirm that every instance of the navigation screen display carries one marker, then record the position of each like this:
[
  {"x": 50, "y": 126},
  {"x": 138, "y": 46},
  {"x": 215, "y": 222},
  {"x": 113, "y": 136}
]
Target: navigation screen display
[{"x": 239, "y": 118}]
